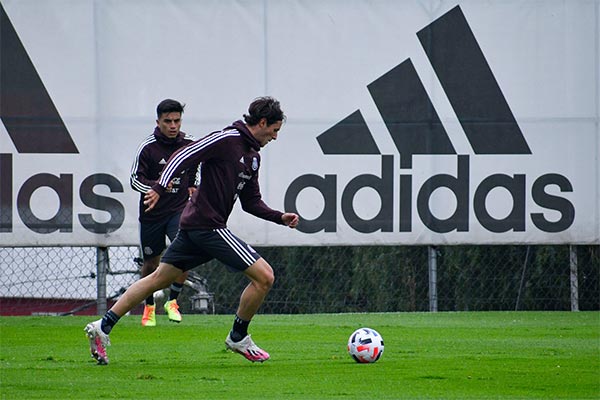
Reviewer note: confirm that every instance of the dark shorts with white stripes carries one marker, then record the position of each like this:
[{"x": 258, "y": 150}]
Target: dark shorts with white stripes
[
  {"x": 153, "y": 235},
  {"x": 194, "y": 247}
]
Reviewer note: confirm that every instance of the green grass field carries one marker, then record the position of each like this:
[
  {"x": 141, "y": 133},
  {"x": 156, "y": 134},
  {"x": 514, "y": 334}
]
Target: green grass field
[{"x": 474, "y": 355}]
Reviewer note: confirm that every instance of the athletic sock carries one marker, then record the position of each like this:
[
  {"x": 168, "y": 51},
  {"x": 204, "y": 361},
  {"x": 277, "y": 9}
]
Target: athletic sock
[
  {"x": 175, "y": 290},
  {"x": 150, "y": 300},
  {"x": 108, "y": 321},
  {"x": 239, "y": 330}
]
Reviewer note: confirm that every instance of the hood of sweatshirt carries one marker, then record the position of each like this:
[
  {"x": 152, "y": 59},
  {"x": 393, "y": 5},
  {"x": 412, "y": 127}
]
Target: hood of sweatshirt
[{"x": 241, "y": 127}]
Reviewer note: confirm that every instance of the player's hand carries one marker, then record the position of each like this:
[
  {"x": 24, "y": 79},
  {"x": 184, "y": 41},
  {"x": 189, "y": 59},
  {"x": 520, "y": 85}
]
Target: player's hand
[
  {"x": 170, "y": 186},
  {"x": 150, "y": 199},
  {"x": 290, "y": 219},
  {"x": 191, "y": 191}
]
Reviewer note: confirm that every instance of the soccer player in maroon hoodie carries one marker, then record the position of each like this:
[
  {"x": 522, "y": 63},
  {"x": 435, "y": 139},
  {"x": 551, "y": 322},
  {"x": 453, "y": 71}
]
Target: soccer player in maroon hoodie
[
  {"x": 163, "y": 221},
  {"x": 230, "y": 161}
]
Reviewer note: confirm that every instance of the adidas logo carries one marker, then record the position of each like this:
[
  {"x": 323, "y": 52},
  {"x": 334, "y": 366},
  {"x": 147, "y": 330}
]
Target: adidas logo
[
  {"x": 35, "y": 126},
  {"x": 415, "y": 129},
  {"x": 409, "y": 114}
]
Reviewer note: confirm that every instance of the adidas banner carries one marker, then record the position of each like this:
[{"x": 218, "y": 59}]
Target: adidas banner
[{"x": 408, "y": 122}]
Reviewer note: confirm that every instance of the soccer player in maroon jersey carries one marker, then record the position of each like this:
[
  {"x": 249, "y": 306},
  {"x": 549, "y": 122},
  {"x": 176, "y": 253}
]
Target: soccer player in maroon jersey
[
  {"x": 163, "y": 221},
  {"x": 229, "y": 163}
]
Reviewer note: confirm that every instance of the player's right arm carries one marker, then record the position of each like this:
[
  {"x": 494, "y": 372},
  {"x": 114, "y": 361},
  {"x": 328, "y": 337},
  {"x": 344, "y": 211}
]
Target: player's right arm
[{"x": 139, "y": 179}]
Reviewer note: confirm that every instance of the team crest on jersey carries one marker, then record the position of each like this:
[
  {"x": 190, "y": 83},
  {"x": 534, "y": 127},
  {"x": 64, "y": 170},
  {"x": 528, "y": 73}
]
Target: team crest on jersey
[{"x": 254, "y": 163}]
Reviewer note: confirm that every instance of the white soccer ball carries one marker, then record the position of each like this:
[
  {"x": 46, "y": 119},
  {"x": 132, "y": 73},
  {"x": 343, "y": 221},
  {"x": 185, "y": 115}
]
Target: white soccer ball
[{"x": 365, "y": 345}]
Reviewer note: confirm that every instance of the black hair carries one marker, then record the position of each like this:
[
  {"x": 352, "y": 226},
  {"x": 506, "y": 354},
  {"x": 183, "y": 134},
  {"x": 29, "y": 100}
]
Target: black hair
[
  {"x": 264, "y": 107},
  {"x": 168, "y": 106}
]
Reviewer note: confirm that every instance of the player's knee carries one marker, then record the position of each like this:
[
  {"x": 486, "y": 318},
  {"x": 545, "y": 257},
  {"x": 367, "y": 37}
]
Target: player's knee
[
  {"x": 270, "y": 279},
  {"x": 267, "y": 278},
  {"x": 262, "y": 275}
]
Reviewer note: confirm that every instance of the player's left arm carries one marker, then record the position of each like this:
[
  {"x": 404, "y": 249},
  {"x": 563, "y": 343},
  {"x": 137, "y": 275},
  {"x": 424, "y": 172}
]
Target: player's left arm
[{"x": 252, "y": 203}]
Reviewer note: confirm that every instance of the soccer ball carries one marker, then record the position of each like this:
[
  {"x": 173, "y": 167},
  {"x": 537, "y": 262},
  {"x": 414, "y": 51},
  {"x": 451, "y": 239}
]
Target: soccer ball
[{"x": 365, "y": 345}]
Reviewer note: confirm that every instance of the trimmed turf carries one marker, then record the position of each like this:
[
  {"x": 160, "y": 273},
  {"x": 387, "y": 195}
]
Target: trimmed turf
[{"x": 493, "y": 355}]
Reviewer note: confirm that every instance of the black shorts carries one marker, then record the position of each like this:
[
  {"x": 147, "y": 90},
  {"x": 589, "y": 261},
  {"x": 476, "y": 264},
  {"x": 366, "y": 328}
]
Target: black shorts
[
  {"x": 153, "y": 235},
  {"x": 194, "y": 247}
]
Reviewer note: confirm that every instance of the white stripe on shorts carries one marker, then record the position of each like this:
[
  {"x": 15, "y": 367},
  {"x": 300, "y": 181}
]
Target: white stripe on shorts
[{"x": 240, "y": 250}]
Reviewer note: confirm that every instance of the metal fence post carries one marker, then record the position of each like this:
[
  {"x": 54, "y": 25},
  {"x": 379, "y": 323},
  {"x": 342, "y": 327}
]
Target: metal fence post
[
  {"x": 522, "y": 278},
  {"x": 433, "y": 297},
  {"x": 102, "y": 265},
  {"x": 574, "y": 280}
]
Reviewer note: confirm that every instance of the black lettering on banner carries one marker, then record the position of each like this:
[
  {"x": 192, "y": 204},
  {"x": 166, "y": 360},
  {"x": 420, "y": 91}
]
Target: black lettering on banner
[
  {"x": 384, "y": 187},
  {"x": 63, "y": 219},
  {"x": 560, "y": 204},
  {"x": 515, "y": 220},
  {"x": 6, "y": 183},
  {"x": 103, "y": 203},
  {"x": 459, "y": 185},
  {"x": 405, "y": 203},
  {"x": 327, "y": 186}
]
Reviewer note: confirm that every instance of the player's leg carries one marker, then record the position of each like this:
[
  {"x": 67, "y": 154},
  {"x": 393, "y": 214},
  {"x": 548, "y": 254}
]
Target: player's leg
[
  {"x": 99, "y": 330},
  {"x": 164, "y": 275},
  {"x": 149, "y": 315},
  {"x": 177, "y": 286},
  {"x": 183, "y": 253},
  {"x": 238, "y": 255},
  {"x": 261, "y": 280},
  {"x": 152, "y": 239},
  {"x": 171, "y": 307}
]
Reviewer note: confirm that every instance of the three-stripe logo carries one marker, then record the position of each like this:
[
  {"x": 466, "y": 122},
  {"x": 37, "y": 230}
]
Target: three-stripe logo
[
  {"x": 26, "y": 109},
  {"x": 416, "y": 129},
  {"x": 408, "y": 112}
]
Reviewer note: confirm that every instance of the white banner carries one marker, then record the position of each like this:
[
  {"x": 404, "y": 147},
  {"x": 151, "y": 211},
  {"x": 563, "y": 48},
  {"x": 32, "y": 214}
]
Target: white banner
[{"x": 409, "y": 122}]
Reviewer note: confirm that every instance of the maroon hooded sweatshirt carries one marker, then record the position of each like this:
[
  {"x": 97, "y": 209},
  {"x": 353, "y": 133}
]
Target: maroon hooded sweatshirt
[
  {"x": 150, "y": 159},
  {"x": 229, "y": 164}
]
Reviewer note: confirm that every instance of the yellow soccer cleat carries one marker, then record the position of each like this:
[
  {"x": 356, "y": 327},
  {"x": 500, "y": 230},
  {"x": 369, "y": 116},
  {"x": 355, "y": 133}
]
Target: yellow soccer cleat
[
  {"x": 172, "y": 310},
  {"x": 149, "y": 317}
]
